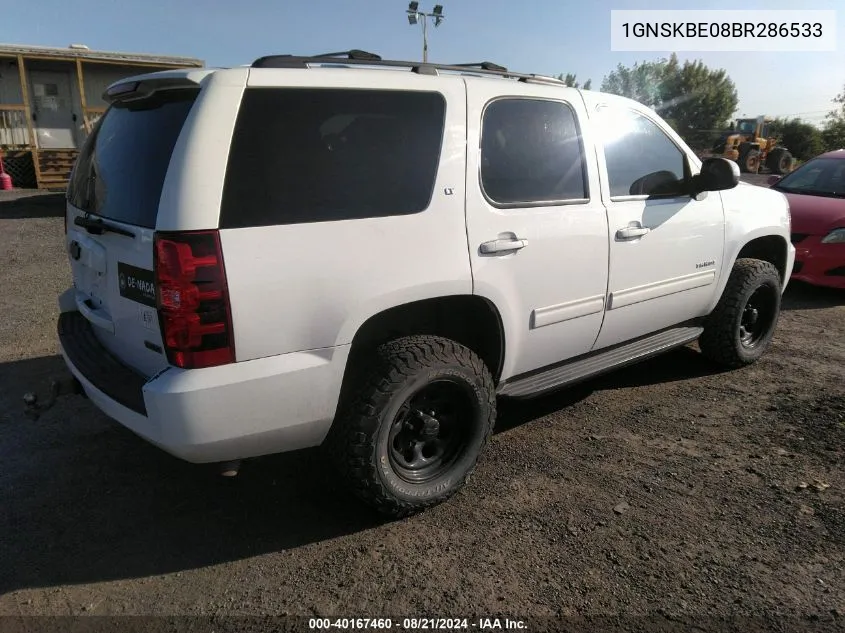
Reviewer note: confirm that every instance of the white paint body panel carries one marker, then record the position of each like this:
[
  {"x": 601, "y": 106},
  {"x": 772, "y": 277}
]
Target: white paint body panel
[
  {"x": 246, "y": 409},
  {"x": 752, "y": 212},
  {"x": 654, "y": 281},
  {"x": 193, "y": 188},
  {"x": 299, "y": 293},
  {"x": 306, "y": 286},
  {"x": 550, "y": 294},
  {"x": 122, "y": 326}
]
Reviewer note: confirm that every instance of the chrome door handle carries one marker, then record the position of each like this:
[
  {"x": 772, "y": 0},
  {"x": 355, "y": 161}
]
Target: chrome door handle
[
  {"x": 503, "y": 246},
  {"x": 631, "y": 232}
]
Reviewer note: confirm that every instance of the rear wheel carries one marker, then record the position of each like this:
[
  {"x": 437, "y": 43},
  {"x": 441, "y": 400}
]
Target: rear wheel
[
  {"x": 740, "y": 329},
  {"x": 414, "y": 434},
  {"x": 780, "y": 161}
]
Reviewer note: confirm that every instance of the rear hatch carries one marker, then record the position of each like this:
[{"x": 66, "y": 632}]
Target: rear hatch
[{"x": 113, "y": 202}]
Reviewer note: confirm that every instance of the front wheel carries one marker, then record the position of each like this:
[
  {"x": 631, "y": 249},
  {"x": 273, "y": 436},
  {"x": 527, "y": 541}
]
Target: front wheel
[
  {"x": 415, "y": 432},
  {"x": 750, "y": 161},
  {"x": 738, "y": 332}
]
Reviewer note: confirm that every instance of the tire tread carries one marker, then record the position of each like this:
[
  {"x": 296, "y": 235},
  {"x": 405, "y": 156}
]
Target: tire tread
[
  {"x": 353, "y": 436},
  {"x": 717, "y": 342}
]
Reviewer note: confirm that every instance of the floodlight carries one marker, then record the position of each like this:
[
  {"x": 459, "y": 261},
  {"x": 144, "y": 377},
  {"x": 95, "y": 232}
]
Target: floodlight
[{"x": 415, "y": 16}]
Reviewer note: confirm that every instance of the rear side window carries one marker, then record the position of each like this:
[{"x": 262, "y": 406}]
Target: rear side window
[
  {"x": 121, "y": 168},
  {"x": 315, "y": 155},
  {"x": 531, "y": 152}
]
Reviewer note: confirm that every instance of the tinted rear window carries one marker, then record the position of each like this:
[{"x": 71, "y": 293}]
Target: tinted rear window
[
  {"x": 315, "y": 155},
  {"x": 121, "y": 168},
  {"x": 531, "y": 153}
]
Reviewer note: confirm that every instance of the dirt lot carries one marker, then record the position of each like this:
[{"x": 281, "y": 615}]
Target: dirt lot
[{"x": 95, "y": 521}]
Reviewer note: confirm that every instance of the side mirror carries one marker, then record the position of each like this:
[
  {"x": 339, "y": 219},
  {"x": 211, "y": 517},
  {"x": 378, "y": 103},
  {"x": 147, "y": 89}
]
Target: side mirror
[
  {"x": 656, "y": 183},
  {"x": 717, "y": 174},
  {"x": 773, "y": 180}
]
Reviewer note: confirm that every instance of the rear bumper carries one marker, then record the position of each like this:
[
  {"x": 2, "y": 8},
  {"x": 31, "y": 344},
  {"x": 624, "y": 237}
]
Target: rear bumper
[
  {"x": 819, "y": 264},
  {"x": 235, "y": 411},
  {"x": 82, "y": 349}
]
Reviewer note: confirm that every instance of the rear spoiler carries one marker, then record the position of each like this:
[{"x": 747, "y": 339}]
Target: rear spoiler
[{"x": 142, "y": 86}]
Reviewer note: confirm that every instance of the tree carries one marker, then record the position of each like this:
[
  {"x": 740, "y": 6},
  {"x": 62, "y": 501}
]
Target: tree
[
  {"x": 839, "y": 111},
  {"x": 833, "y": 134},
  {"x": 642, "y": 82},
  {"x": 569, "y": 80},
  {"x": 697, "y": 99},
  {"x": 803, "y": 140},
  {"x": 694, "y": 99}
]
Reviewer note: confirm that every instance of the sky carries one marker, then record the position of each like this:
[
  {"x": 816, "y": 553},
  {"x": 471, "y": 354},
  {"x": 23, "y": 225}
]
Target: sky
[{"x": 533, "y": 36}]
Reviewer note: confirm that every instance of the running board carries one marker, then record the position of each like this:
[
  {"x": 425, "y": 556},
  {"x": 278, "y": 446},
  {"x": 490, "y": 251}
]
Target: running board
[{"x": 560, "y": 375}]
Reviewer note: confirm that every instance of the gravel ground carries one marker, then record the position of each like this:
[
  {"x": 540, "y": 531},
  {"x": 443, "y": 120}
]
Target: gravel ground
[{"x": 668, "y": 489}]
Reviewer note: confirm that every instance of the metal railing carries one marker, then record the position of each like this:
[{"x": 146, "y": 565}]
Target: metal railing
[
  {"x": 14, "y": 131},
  {"x": 92, "y": 115}
]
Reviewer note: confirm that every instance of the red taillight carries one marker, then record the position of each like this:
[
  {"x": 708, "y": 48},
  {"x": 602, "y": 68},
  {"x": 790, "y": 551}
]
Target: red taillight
[{"x": 193, "y": 300}]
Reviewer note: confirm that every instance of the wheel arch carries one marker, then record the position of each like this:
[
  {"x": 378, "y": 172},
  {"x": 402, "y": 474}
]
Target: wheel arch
[
  {"x": 764, "y": 245},
  {"x": 468, "y": 319},
  {"x": 769, "y": 248}
]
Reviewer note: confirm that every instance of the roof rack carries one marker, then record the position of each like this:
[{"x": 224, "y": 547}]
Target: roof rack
[
  {"x": 357, "y": 57},
  {"x": 483, "y": 66},
  {"x": 354, "y": 54}
]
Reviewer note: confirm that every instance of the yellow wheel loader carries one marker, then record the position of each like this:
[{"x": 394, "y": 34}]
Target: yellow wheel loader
[{"x": 751, "y": 146}]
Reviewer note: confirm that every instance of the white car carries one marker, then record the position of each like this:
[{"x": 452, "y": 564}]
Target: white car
[{"x": 364, "y": 254}]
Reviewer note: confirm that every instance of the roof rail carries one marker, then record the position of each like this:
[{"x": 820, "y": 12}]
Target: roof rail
[
  {"x": 353, "y": 54},
  {"x": 483, "y": 66},
  {"x": 300, "y": 61},
  {"x": 543, "y": 79},
  {"x": 362, "y": 58}
]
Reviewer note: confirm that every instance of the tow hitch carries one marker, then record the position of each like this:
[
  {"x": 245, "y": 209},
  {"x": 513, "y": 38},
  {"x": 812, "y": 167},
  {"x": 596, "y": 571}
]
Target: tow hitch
[
  {"x": 229, "y": 469},
  {"x": 67, "y": 385}
]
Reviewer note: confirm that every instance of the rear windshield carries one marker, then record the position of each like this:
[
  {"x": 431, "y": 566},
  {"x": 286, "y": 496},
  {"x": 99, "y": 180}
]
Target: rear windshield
[
  {"x": 120, "y": 170},
  {"x": 315, "y": 155}
]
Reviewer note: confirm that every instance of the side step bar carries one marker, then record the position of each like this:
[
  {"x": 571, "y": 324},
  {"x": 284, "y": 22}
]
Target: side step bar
[{"x": 559, "y": 375}]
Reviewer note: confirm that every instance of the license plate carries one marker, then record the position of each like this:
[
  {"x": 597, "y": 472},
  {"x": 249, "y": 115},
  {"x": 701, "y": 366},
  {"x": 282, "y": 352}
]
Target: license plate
[{"x": 136, "y": 284}]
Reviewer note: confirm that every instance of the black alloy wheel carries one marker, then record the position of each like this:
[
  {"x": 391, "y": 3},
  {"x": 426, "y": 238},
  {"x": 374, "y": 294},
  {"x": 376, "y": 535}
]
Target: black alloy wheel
[{"x": 429, "y": 431}]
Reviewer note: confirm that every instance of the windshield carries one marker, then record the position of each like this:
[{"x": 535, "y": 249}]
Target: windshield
[
  {"x": 818, "y": 177},
  {"x": 121, "y": 168}
]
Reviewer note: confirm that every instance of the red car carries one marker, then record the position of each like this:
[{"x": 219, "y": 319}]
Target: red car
[{"x": 816, "y": 193}]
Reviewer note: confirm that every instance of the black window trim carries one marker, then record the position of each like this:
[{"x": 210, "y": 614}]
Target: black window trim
[
  {"x": 544, "y": 203},
  {"x": 440, "y": 148},
  {"x": 665, "y": 197}
]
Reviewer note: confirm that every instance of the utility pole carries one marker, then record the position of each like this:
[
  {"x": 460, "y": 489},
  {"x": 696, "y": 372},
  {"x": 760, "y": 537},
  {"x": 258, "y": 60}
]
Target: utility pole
[{"x": 416, "y": 16}]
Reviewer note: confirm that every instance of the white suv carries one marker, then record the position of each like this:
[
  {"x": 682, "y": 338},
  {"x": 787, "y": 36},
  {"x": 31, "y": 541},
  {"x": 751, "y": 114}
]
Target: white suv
[{"x": 363, "y": 254}]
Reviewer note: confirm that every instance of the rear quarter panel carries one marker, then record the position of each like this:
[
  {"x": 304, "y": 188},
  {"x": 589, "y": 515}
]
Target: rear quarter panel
[
  {"x": 193, "y": 188},
  {"x": 308, "y": 286}
]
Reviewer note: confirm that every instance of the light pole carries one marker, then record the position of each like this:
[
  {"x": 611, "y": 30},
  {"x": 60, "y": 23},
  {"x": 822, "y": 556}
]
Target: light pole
[{"x": 415, "y": 16}]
